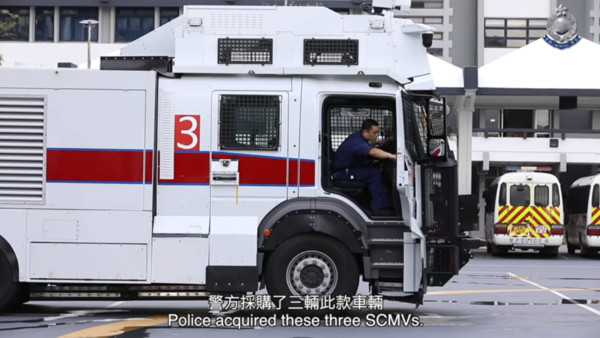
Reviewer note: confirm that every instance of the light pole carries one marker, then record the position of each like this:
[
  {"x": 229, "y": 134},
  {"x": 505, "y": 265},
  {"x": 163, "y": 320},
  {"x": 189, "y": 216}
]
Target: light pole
[{"x": 89, "y": 24}]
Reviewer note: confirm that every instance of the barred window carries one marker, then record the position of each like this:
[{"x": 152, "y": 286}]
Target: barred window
[
  {"x": 519, "y": 194},
  {"x": 541, "y": 195},
  {"x": 249, "y": 122}
]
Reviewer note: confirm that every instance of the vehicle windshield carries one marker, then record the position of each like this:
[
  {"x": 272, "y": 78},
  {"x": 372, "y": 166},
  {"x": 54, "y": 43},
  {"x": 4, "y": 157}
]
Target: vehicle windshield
[{"x": 415, "y": 125}]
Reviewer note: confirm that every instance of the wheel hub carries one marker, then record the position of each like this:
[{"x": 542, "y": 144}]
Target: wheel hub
[{"x": 312, "y": 273}]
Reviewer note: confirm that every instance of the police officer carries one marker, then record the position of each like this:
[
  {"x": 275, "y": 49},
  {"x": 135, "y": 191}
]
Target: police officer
[{"x": 350, "y": 162}]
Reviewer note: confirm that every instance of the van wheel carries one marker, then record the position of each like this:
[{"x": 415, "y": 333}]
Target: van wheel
[
  {"x": 551, "y": 251},
  {"x": 585, "y": 252},
  {"x": 10, "y": 292},
  {"x": 571, "y": 249},
  {"x": 311, "y": 265},
  {"x": 499, "y": 250}
]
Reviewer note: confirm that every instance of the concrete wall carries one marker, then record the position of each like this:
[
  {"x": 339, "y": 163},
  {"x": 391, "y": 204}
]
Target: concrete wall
[
  {"x": 516, "y": 8},
  {"x": 464, "y": 33}
]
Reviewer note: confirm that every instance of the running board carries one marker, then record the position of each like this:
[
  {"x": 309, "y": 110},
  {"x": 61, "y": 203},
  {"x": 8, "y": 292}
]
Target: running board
[{"x": 128, "y": 292}]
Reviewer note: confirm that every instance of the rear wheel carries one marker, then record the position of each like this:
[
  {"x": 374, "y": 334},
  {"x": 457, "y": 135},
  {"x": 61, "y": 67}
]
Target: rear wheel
[
  {"x": 11, "y": 293},
  {"x": 549, "y": 251},
  {"x": 499, "y": 250},
  {"x": 571, "y": 249},
  {"x": 311, "y": 265},
  {"x": 585, "y": 252}
]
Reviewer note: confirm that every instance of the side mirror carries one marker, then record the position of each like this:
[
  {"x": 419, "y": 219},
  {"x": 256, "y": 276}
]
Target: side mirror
[
  {"x": 436, "y": 147},
  {"x": 436, "y": 129}
]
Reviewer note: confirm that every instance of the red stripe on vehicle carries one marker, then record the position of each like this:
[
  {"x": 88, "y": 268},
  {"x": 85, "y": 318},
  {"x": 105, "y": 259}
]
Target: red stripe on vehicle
[
  {"x": 595, "y": 212},
  {"x": 543, "y": 214},
  {"x": 554, "y": 219},
  {"x": 190, "y": 168},
  {"x": 149, "y": 166},
  {"x": 510, "y": 210},
  {"x": 516, "y": 215},
  {"x": 94, "y": 165},
  {"x": 125, "y": 166}
]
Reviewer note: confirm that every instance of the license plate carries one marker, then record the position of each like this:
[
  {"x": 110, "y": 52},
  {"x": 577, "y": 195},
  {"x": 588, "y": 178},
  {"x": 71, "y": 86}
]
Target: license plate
[{"x": 519, "y": 229}]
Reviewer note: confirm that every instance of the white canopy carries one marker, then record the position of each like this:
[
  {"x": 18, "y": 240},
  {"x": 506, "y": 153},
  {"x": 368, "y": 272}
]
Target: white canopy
[
  {"x": 445, "y": 75},
  {"x": 541, "y": 66}
]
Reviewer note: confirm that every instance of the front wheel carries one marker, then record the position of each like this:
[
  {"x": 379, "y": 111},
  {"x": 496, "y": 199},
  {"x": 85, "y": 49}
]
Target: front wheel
[{"x": 311, "y": 265}]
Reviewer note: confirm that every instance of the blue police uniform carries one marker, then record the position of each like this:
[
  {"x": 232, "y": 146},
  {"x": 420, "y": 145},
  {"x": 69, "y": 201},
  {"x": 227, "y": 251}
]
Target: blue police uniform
[{"x": 350, "y": 160}]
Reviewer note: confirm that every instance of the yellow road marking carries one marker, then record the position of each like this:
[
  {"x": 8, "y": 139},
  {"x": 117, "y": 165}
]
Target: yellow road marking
[
  {"x": 460, "y": 292},
  {"x": 117, "y": 328}
]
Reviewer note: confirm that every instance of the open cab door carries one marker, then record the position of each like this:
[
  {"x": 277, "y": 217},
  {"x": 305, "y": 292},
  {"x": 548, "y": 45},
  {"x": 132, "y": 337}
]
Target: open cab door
[{"x": 407, "y": 184}]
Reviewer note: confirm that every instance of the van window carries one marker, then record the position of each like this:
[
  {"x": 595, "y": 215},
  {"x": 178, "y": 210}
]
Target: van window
[
  {"x": 490, "y": 198},
  {"x": 520, "y": 194},
  {"x": 555, "y": 195},
  {"x": 541, "y": 195},
  {"x": 596, "y": 196},
  {"x": 502, "y": 196},
  {"x": 577, "y": 199}
]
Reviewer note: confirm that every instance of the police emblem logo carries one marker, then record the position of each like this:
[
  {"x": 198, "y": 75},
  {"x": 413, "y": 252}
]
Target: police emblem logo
[{"x": 562, "y": 29}]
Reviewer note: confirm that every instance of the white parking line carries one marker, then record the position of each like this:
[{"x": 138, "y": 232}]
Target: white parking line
[
  {"x": 116, "y": 304},
  {"x": 594, "y": 311}
]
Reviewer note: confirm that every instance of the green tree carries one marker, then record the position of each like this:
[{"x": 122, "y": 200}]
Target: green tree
[{"x": 7, "y": 25}]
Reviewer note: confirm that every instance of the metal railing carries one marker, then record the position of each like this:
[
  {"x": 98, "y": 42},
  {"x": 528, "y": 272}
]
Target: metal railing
[{"x": 530, "y": 132}]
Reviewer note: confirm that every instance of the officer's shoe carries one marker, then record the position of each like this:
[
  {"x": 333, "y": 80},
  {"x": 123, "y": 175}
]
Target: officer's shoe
[{"x": 383, "y": 212}]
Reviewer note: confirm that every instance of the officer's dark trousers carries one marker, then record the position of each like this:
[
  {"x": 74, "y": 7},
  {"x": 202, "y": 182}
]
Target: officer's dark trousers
[{"x": 372, "y": 177}]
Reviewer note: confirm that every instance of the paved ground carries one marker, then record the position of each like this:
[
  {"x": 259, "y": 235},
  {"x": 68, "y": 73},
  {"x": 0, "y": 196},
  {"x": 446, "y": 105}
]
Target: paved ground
[{"x": 520, "y": 294}]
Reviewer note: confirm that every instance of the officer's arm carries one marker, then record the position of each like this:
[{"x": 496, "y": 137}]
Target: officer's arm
[{"x": 384, "y": 155}]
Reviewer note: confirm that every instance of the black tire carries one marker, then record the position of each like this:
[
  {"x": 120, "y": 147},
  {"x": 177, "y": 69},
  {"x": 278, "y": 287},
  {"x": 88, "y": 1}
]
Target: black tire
[
  {"x": 571, "y": 249},
  {"x": 585, "y": 252},
  {"x": 11, "y": 293},
  {"x": 499, "y": 250},
  {"x": 320, "y": 264},
  {"x": 489, "y": 248},
  {"x": 551, "y": 251}
]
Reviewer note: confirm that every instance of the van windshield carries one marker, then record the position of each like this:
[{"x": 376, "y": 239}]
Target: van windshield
[{"x": 520, "y": 194}]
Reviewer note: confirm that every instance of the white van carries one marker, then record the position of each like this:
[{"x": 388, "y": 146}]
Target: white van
[
  {"x": 523, "y": 211},
  {"x": 583, "y": 215}
]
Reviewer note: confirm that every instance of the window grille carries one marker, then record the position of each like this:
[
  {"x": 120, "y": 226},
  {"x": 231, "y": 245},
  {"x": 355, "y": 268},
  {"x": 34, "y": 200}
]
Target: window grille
[
  {"x": 541, "y": 195},
  {"x": 249, "y": 122},
  {"x": 519, "y": 195},
  {"x": 330, "y": 52},
  {"x": 345, "y": 121},
  {"x": 245, "y": 51}
]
